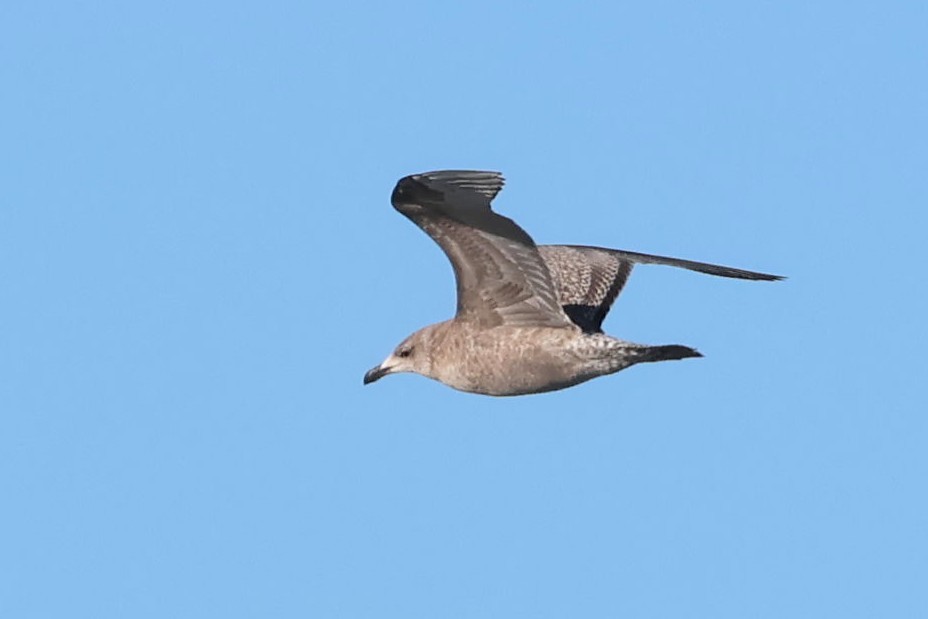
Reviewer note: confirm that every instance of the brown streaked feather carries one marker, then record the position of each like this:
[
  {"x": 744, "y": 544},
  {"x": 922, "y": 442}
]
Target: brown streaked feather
[
  {"x": 501, "y": 278},
  {"x": 589, "y": 279}
]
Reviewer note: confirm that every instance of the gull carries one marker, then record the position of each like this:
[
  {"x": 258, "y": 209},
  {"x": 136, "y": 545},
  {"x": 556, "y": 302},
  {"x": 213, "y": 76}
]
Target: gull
[{"x": 529, "y": 317}]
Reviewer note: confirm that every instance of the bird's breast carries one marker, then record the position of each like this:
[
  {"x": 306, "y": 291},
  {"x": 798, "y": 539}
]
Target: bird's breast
[{"x": 507, "y": 360}]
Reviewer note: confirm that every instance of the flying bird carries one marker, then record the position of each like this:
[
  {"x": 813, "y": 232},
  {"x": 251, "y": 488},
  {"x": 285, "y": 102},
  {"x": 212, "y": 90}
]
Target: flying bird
[{"x": 529, "y": 317}]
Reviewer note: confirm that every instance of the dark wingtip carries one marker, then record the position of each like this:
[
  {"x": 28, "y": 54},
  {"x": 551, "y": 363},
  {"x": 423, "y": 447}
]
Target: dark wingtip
[
  {"x": 431, "y": 187},
  {"x": 409, "y": 190},
  {"x": 742, "y": 274}
]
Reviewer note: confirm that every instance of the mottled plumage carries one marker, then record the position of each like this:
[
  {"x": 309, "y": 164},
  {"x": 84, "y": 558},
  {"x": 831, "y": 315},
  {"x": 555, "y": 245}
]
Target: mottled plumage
[{"x": 529, "y": 318}]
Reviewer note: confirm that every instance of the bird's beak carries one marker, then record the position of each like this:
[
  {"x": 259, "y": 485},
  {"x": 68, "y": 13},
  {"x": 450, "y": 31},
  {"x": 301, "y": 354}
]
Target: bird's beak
[{"x": 376, "y": 373}]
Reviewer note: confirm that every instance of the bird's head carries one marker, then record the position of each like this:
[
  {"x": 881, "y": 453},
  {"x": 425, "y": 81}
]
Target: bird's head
[{"x": 412, "y": 355}]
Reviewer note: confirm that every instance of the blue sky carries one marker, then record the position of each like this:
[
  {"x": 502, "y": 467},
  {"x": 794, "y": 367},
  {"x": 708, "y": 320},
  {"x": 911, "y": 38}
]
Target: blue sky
[{"x": 199, "y": 261}]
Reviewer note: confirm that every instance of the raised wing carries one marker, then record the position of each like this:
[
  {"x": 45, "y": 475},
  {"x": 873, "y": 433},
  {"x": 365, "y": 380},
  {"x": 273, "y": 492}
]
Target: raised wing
[
  {"x": 589, "y": 279},
  {"x": 501, "y": 278}
]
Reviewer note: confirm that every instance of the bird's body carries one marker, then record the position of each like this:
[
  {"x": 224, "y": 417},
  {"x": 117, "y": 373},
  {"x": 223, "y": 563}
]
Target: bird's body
[
  {"x": 529, "y": 317},
  {"x": 467, "y": 357},
  {"x": 510, "y": 360}
]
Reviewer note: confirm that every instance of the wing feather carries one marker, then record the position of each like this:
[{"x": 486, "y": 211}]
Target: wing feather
[
  {"x": 589, "y": 279},
  {"x": 501, "y": 278}
]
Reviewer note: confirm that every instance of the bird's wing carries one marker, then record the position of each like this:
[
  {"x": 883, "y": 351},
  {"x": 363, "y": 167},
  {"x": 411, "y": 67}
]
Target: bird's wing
[
  {"x": 692, "y": 265},
  {"x": 501, "y": 278},
  {"x": 589, "y": 279}
]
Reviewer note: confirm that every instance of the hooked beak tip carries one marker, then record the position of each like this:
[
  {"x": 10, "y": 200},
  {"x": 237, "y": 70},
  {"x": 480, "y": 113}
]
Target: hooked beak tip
[{"x": 375, "y": 374}]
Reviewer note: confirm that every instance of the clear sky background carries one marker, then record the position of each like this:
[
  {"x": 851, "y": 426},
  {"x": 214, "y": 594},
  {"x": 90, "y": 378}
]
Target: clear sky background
[{"x": 199, "y": 260}]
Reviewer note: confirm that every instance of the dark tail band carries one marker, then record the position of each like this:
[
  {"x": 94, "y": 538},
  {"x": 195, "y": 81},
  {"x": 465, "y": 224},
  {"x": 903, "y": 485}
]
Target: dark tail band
[{"x": 671, "y": 352}]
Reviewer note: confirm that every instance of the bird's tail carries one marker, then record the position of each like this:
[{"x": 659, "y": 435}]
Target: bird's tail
[
  {"x": 612, "y": 355},
  {"x": 670, "y": 352}
]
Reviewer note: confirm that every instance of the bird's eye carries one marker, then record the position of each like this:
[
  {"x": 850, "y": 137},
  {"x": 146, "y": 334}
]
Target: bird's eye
[{"x": 403, "y": 352}]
